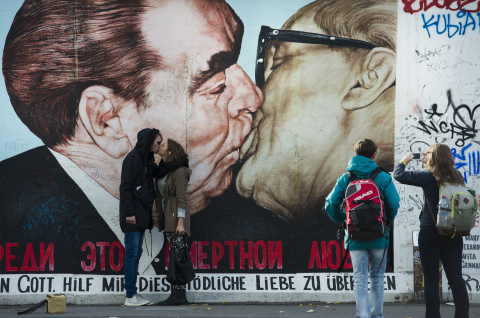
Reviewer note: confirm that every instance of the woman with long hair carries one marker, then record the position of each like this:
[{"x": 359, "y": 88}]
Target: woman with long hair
[
  {"x": 433, "y": 247},
  {"x": 173, "y": 212}
]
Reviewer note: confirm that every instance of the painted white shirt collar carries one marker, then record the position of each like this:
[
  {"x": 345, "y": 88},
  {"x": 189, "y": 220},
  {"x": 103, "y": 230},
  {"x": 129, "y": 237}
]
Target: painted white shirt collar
[{"x": 107, "y": 206}]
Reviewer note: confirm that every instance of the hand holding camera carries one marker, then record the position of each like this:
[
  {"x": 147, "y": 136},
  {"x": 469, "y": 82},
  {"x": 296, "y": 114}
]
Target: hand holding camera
[{"x": 414, "y": 155}]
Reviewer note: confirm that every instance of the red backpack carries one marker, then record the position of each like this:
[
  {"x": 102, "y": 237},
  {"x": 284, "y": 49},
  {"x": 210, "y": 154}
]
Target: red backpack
[{"x": 365, "y": 208}]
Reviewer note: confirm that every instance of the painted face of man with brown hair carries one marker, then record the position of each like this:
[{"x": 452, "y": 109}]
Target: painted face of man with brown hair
[
  {"x": 196, "y": 94},
  {"x": 319, "y": 100}
]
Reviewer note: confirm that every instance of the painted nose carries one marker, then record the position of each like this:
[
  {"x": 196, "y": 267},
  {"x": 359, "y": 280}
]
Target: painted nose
[{"x": 247, "y": 97}]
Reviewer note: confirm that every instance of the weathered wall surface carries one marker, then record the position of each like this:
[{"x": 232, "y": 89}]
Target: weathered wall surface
[
  {"x": 437, "y": 97},
  {"x": 263, "y": 161}
]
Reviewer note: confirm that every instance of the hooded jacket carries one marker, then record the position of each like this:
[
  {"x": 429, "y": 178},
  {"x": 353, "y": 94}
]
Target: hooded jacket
[
  {"x": 137, "y": 191},
  {"x": 362, "y": 167}
]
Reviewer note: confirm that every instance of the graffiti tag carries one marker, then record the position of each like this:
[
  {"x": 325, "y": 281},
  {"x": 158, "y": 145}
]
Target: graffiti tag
[{"x": 412, "y": 6}]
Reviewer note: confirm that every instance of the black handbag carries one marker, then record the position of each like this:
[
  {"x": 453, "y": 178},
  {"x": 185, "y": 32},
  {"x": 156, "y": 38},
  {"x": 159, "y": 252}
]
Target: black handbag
[{"x": 180, "y": 268}]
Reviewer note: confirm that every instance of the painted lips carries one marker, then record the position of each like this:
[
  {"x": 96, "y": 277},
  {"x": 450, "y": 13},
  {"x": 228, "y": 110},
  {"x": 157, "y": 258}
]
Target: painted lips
[{"x": 249, "y": 146}]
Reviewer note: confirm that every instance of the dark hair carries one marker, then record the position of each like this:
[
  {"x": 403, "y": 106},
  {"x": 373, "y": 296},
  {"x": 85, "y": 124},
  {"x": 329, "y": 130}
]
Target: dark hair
[
  {"x": 55, "y": 49},
  {"x": 366, "y": 148},
  {"x": 177, "y": 151},
  {"x": 440, "y": 162},
  {"x": 366, "y": 20}
]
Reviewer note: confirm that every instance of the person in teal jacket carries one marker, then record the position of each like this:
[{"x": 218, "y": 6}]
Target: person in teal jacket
[{"x": 368, "y": 257}]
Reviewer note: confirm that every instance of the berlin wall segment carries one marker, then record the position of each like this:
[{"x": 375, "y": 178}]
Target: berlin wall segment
[{"x": 59, "y": 231}]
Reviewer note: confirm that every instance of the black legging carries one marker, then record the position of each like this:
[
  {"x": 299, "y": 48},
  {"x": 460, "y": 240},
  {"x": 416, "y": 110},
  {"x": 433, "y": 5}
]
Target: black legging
[{"x": 434, "y": 247}]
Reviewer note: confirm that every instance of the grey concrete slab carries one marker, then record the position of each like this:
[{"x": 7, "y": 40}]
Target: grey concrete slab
[{"x": 401, "y": 310}]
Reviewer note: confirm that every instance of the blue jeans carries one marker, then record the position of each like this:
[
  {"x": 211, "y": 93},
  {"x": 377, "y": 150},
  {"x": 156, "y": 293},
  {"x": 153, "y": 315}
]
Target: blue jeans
[
  {"x": 365, "y": 264},
  {"x": 133, "y": 252},
  {"x": 434, "y": 247}
]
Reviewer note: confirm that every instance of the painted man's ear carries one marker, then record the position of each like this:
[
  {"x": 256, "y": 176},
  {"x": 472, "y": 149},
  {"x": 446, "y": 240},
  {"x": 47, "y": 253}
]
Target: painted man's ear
[
  {"x": 269, "y": 54},
  {"x": 98, "y": 113},
  {"x": 375, "y": 75}
]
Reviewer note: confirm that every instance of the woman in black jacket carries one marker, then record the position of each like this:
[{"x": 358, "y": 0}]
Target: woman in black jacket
[{"x": 433, "y": 246}]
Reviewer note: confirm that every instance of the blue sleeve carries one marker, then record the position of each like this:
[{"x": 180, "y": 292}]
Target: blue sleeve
[
  {"x": 335, "y": 199},
  {"x": 414, "y": 178},
  {"x": 391, "y": 196}
]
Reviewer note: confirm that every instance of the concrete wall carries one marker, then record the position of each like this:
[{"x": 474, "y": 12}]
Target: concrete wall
[
  {"x": 437, "y": 86},
  {"x": 263, "y": 161}
]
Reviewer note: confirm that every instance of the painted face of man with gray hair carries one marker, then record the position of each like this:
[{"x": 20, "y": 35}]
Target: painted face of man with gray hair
[{"x": 319, "y": 100}]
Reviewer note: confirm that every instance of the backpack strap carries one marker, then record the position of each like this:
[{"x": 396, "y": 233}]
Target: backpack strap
[
  {"x": 32, "y": 309},
  {"x": 344, "y": 258},
  {"x": 431, "y": 213},
  {"x": 352, "y": 176},
  {"x": 384, "y": 252},
  {"x": 375, "y": 173}
]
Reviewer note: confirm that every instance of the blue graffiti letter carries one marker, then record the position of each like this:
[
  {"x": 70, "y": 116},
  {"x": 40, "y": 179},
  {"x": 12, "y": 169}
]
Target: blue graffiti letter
[
  {"x": 426, "y": 24},
  {"x": 469, "y": 21},
  {"x": 449, "y": 26}
]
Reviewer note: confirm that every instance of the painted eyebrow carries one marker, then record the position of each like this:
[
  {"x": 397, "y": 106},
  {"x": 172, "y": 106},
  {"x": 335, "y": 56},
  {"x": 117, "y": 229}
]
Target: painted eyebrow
[{"x": 219, "y": 62}]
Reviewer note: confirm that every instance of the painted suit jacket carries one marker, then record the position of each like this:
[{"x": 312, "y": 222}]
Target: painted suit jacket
[{"x": 40, "y": 203}]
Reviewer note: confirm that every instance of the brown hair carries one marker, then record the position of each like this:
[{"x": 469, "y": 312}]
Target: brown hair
[
  {"x": 440, "y": 162},
  {"x": 366, "y": 148},
  {"x": 367, "y": 20},
  {"x": 159, "y": 134},
  {"x": 55, "y": 49},
  {"x": 177, "y": 151}
]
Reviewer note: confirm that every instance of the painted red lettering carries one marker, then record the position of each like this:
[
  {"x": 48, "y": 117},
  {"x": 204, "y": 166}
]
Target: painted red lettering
[
  {"x": 337, "y": 254},
  {"x": 324, "y": 254},
  {"x": 217, "y": 253},
  {"x": 412, "y": 6},
  {"x": 46, "y": 256},
  {"x": 274, "y": 254},
  {"x": 314, "y": 256},
  {"x": 193, "y": 254},
  {"x": 9, "y": 257},
  {"x": 29, "y": 258},
  {"x": 202, "y": 255},
  {"x": 263, "y": 246},
  {"x": 231, "y": 245},
  {"x": 116, "y": 267},
  {"x": 246, "y": 255},
  {"x": 102, "y": 246},
  {"x": 92, "y": 257}
]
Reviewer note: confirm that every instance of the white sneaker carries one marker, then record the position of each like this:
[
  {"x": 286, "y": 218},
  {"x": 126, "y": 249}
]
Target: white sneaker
[
  {"x": 136, "y": 300},
  {"x": 143, "y": 299}
]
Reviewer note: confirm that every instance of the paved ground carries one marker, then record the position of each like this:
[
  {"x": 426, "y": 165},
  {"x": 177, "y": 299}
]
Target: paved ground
[{"x": 402, "y": 310}]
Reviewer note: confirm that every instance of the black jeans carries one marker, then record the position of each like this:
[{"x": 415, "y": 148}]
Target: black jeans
[{"x": 434, "y": 247}]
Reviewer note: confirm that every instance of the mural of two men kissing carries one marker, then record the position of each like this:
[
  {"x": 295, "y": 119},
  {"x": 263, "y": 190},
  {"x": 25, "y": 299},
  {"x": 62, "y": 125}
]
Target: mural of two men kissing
[{"x": 85, "y": 76}]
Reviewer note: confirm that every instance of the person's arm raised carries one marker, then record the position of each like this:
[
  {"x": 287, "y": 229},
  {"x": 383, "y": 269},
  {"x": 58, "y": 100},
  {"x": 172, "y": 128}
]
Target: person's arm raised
[{"x": 415, "y": 178}]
